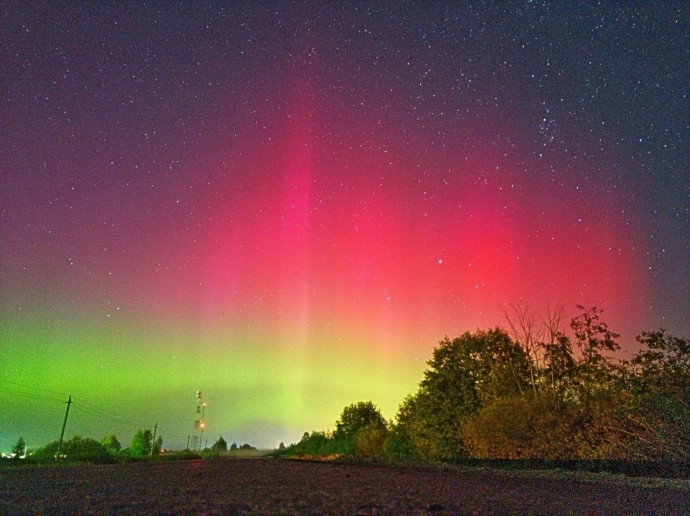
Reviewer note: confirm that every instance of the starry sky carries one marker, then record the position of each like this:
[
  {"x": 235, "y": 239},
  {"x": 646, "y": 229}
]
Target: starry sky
[{"x": 287, "y": 205}]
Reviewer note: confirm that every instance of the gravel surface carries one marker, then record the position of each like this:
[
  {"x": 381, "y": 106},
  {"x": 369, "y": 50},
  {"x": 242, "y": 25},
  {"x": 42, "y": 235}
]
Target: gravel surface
[{"x": 269, "y": 486}]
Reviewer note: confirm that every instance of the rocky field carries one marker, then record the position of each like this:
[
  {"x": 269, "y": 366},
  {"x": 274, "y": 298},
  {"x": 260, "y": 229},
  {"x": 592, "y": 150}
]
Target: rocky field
[{"x": 271, "y": 486}]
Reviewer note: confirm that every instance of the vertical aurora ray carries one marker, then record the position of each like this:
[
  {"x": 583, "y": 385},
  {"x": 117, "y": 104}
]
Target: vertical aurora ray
[{"x": 294, "y": 245}]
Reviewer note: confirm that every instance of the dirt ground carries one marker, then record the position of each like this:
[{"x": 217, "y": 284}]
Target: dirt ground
[{"x": 270, "y": 486}]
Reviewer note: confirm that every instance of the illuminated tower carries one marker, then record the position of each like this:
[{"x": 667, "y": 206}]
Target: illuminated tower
[{"x": 199, "y": 422}]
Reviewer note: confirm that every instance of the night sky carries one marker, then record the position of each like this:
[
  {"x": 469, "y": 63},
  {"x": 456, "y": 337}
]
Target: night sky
[{"x": 287, "y": 205}]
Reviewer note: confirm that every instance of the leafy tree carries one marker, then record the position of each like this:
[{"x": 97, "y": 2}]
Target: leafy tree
[
  {"x": 463, "y": 374},
  {"x": 662, "y": 366},
  {"x": 141, "y": 443},
  {"x": 19, "y": 448},
  {"x": 415, "y": 434},
  {"x": 354, "y": 418},
  {"x": 398, "y": 445},
  {"x": 233, "y": 446},
  {"x": 247, "y": 446},
  {"x": 110, "y": 443},
  {"x": 281, "y": 446},
  {"x": 220, "y": 445},
  {"x": 595, "y": 387},
  {"x": 593, "y": 338},
  {"x": 659, "y": 378}
]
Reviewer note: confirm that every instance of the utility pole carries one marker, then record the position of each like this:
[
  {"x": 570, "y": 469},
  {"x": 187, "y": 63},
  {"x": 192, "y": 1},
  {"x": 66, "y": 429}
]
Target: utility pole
[
  {"x": 64, "y": 424},
  {"x": 153, "y": 440},
  {"x": 188, "y": 437}
]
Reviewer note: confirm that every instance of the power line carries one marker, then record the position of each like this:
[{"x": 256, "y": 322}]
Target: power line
[
  {"x": 19, "y": 389},
  {"x": 100, "y": 414},
  {"x": 59, "y": 395},
  {"x": 15, "y": 392},
  {"x": 10, "y": 389},
  {"x": 94, "y": 410}
]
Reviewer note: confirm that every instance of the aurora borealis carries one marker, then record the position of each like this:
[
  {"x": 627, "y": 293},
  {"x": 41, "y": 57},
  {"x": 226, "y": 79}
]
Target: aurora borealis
[{"x": 287, "y": 205}]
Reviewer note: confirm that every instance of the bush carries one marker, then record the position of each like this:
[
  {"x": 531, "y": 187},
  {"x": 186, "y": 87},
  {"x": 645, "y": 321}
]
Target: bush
[
  {"x": 515, "y": 428},
  {"x": 111, "y": 444},
  {"x": 370, "y": 440},
  {"x": 315, "y": 444},
  {"x": 77, "y": 449}
]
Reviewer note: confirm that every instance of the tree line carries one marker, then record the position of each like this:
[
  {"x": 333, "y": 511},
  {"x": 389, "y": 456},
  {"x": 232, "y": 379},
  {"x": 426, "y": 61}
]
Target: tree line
[
  {"x": 88, "y": 449},
  {"x": 109, "y": 449},
  {"x": 531, "y": 391}
]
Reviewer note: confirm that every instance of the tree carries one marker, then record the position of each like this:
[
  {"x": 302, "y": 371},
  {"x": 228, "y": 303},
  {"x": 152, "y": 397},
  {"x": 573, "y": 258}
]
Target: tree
[
  {"x": 595, "y": 376},
  {"x": 659, "y": 378},
  {"x": 19, "y": 448},
  {"x": 593, "y": 338},
  {"x": 354, "y": 418},
  {"x": 111, "y": 444},
  {"x": 526, "y": 332},
  {"x": 463, "y": 375},
  {"x": 559, "y": 367},
  {"x": 220, "y": 446},
  {"x": 543, "y": 341},
  {"x": 662, "y": 366},
  {"x": 415, "y": 435},
  {"x": 141, "y": 443},
  {"x": 233, "y": 446}
]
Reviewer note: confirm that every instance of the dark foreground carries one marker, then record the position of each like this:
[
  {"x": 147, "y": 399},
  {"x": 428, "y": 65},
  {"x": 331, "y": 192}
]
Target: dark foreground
[{"x": 283, "y": 486}]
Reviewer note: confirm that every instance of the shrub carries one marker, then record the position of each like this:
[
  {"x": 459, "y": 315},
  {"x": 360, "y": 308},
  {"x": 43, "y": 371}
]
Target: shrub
[
  {"x": 76, "y": 449},
  {"x": 315, "y": 444},
  {"x": 370, "y": 440},
  {"x": 111, "y": 444}
]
